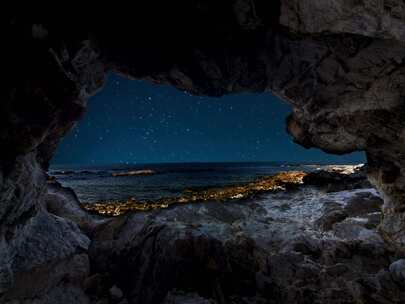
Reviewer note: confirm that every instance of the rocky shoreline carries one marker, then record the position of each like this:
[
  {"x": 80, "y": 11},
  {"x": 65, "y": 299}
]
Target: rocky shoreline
[
  {"x": 309, "y": 244},
  {"x": 276, "y": 182}
]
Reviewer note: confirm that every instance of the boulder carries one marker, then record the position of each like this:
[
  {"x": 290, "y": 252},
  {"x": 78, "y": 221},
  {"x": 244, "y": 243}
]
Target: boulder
[
  {"x": 335, "y": 179},
  {"x": 63, "y": 202}
]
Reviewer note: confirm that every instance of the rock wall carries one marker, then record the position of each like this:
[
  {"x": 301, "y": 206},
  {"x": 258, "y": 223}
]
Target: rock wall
[{"x": 339, "y": 63}]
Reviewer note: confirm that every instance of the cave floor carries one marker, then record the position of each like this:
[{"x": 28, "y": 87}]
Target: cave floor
[{"x": 273, "y": 249}]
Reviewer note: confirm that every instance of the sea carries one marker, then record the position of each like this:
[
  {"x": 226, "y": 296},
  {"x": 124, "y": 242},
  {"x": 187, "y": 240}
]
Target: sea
[{"x": 101, "y": 183}]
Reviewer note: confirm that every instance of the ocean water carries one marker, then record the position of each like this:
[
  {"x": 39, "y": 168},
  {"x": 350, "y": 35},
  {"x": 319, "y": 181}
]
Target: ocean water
[{"x": 97, "y": 183}]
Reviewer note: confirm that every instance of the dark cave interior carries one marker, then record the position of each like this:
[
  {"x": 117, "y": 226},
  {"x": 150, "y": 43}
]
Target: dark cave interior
[{"x": 338, "y": 64}]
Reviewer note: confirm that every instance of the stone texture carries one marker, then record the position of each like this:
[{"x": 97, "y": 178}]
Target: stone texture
[
  {"x": 376, "y": 18},
  {"x": 63, "y": 202},
  {"x": 340, "y": 64},
  {"x": 246, "y": 252}
]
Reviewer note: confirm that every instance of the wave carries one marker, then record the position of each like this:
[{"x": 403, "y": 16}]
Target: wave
[{"x": 134, "y": 173}]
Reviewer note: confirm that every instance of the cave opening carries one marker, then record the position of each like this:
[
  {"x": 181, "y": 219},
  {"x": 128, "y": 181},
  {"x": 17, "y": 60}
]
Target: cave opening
[
  {"x": 322, "y": 236},
  {"x": 131, "y": 122},
  {"x": 145, "y": 141}
]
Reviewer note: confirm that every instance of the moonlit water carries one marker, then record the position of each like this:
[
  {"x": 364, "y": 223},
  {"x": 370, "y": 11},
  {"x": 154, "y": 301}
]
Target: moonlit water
[{"x": 97, "y": 183}]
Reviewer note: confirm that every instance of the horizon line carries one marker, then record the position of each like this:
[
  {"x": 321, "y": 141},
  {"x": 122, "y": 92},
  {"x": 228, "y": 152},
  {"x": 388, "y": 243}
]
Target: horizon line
[{"x": 211, "y": 162}]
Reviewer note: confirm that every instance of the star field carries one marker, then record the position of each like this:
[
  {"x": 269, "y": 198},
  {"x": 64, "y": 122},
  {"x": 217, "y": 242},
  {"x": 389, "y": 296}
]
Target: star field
[{"x": 136, "y": 122}]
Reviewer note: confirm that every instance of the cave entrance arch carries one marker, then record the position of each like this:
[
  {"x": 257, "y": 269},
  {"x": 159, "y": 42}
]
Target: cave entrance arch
[
  {"x": 345, "y": 82},
  {"x": 134, "y": 125}
]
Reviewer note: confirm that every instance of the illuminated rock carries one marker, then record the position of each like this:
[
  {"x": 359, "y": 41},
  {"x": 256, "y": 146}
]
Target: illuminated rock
[{"x": 271, "y": 183}]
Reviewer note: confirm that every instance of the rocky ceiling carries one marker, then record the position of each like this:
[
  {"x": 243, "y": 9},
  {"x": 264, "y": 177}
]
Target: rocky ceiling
[{"x": 339, "y": 63}]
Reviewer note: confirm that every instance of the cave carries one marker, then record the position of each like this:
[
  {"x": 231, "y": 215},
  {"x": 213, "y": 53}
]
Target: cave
[
  {"x": 176, "y": 141},
  {"x": 339, "y": 64}
]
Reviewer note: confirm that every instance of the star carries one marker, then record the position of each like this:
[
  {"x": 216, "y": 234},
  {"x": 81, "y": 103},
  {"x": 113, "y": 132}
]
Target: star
[{"x": 134, "y": 120}]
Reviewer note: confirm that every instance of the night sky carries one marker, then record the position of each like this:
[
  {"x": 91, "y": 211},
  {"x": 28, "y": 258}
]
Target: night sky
[{"x": 137, "y": 122}]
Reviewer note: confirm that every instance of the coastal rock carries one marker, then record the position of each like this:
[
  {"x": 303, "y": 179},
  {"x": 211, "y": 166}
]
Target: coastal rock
[
  {"x": 63, "y": 202},
  {"x": 340, "y": 64},
  {"x": 338, "y": 178},
  {"x": 42, "y": 256},
  {"x": 50, "y": 262},
  {"x": 363, "y": 203},
  {"x": 327, "y": 221},
  {"x": 276, "y": 182},
  {"x": 359, "y": 213},
  {"x": 241, "y": 252}
]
